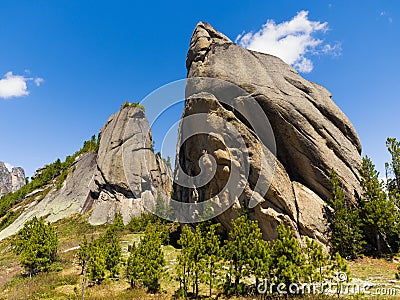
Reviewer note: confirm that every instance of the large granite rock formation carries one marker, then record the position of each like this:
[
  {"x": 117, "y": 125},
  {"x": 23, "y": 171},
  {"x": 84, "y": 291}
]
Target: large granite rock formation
[
  {"x": 119, "y": 178},
  {"x": 10, "y": 181},
  {"x": 312, "y": 137},
  {"x": 128, "y": 173}
]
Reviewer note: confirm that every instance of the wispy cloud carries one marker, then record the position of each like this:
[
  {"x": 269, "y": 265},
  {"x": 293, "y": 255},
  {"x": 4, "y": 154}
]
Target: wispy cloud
[
  {"x": 16, "y": 85},
  {"x": 38, "y": 81},
  {"x": 293, "y": 41},
  {"x": 384, "y": 14}
]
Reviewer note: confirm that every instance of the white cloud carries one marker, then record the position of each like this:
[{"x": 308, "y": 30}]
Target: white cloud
[
  {"x": 334, "y": 50},
  {"x": 13, "y": 86},
  {"x": 16, "y": 85},
  {"x": 293, "y": 41},
  {"x": 9, "y": 167}
]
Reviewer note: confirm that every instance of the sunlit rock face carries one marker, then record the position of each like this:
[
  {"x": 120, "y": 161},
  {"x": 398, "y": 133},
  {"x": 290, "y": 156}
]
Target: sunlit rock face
[
  {"x": 312, "y": 136},
  {"x": 10, "y": 181}
]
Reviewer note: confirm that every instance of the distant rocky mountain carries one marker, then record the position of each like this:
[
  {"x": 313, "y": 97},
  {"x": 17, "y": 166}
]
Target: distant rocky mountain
[
  {"x": 312, "y": 137},
  {"x": 99, "y": 183},
  {"x": 10, "y": 181}
]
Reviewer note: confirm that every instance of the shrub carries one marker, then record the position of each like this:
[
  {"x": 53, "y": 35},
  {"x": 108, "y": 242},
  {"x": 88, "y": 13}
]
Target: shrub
[{"x": 36, "y": 244}]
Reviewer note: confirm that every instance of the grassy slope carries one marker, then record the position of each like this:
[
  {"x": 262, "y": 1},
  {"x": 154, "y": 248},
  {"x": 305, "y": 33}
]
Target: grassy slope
[{"x": 65, "y": 281}]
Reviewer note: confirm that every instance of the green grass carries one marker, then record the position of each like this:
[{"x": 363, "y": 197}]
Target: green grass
[
  {"x": 373, "y": 269},
  {"x": 43, "y": 286},
  {"x": 380, "y": 273},
  {"x": 8, "y": 219},
  {"x": 134, "y": 104},
  {"x": 61, "y": 285},
  {"x": 71, "y": 230}
]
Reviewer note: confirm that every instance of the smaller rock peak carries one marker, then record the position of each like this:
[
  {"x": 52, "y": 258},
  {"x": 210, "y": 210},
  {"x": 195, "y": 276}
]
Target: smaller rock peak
[
  {"x": 204, "y": 29},
  {"x": 204, "y": 35},
  {"x": 134, "y": 109},
  {"x": 11, "y": 178},
  {"x": 17, "y": 170}
]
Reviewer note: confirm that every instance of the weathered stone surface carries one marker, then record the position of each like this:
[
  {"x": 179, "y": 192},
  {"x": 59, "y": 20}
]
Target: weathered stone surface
[
  {"x": 5, "y": 180},
  {"x": 312, "y": 210},
  {"x": 128, "y": 172},
  {"x": 312, "y": 135},
  {"x": 10, "y": 181},
  {"x": 70, "y": 199},
  {"x": 99, "y": 183},
  {"x": 17, "y": 178}
]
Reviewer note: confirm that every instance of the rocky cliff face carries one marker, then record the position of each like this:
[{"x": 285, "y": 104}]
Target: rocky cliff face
[
  {"x": 128, "y": 173},
  {"x": 312, "y": 137},
  {"x": 123, "y": 175},
  {"x": 10, "y": 181}
]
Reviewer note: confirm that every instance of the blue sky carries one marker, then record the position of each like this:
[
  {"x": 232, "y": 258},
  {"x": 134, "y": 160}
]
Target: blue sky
[{"x": 73, "y": 63}]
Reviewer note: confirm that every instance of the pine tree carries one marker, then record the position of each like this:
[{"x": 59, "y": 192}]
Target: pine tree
[
  {"x": 152, "y": 256},
  {"x": 101, "y": 255},
  {"x": 96, "y": 267},
  {"x": 36, "y": 244},
  {"x": 239, "y": 250},
  {"x": 197, "y": 257},
  {"x": 340, "y": 270},
  {"x": 316, "y": 260},
  {"x": 112, "y": 251},
  {"x": 339, "y": 265},
  {"x": 393, "y": 184},
  {"x": 212, "y": 255},
  {"x": 118, "y": 223},
  {"x": 162, "y": 209},
  {"x": 378, "y": 212},
  {"x": 83, "y": 254},
  {"x": 287, "y": 258},
  {"x": 193, "y": 259},
  {"x": 134, "y": 267},
  {"x": 83, "y": 258},
  {"x": 184, "y": 261},
  {"x": 345, "y": 233},
  {"x": 260, "y": 263}
]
